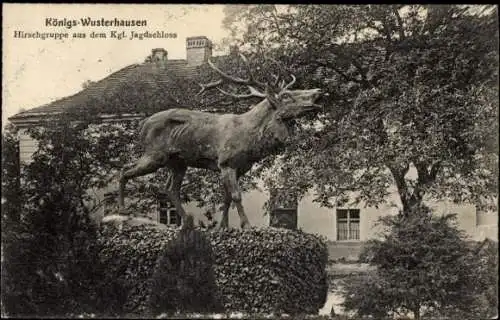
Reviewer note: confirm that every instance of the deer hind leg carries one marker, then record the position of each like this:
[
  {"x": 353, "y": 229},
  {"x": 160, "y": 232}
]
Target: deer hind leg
[
  {"x": 230, "y": 180},
  {"x": 224, "y": 223},
  {"x": 174, "y": 184},
  {"x": 145, "y": 165}
]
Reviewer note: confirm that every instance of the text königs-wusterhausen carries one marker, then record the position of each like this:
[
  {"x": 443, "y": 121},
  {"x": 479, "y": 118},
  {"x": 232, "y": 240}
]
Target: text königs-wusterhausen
[{"x": 89, "y": 22}]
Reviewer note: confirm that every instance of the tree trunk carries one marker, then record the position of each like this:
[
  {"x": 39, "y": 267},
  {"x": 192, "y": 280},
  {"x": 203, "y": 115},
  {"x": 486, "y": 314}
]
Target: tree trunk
[
  {"x": 412, "y": 199},
  {"x": 416, "y": 313}
]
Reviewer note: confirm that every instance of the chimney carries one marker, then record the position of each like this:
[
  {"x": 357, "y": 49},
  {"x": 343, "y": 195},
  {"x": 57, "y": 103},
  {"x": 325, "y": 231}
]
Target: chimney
[
  {"x": 198, "y": 50},
  {"x": 159, "y": 56},
  {"x": 234, "y": 50}
]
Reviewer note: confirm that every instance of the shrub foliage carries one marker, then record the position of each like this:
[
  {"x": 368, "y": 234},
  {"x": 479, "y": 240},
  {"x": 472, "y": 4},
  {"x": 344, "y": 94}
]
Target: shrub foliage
[
  {"x": 183, "y": 278},
  {"x": 255, "y": 271},
  {"x": 425, "y": 265}
]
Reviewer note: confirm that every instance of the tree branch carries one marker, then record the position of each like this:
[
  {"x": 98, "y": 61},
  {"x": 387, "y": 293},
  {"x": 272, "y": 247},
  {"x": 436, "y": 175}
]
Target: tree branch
[
  {"x": 276, "y": 23},
  {"x": 401, "y": 31},
  {"x": 382, "y": 31},
  {"x": 364, "y": 80},
  {"x": 399, "y": 178},
  {"x": 336, "y": 69},
  {"x": 435, "y": 170},
  {"x": 426, "y": 176}
]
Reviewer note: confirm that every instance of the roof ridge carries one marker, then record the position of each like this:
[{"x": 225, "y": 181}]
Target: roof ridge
[
  {"x": 112, "y": 83},
  {"x": 132, "y": 66}
]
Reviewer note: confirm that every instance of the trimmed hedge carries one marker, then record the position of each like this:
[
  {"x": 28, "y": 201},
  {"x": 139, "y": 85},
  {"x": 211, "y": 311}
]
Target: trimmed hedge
[{"x": 256, "y": 270}]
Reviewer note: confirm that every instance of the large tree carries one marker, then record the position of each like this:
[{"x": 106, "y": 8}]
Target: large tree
[{"x": 410, "y": 87}]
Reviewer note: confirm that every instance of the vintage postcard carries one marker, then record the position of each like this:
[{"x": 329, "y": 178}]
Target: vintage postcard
[{"x": 249, "y": 161}]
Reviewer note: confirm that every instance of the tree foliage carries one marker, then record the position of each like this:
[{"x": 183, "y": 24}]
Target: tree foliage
[
  {"x": 424, "y": 265},
  {"x": 410, "y": 87},
  {"x": 50, "y": 256},
  {"x": 11, "y": 196}
]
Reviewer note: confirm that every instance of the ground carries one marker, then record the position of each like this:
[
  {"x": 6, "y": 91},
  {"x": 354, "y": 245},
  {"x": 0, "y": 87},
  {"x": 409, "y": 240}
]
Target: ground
[{"x": 338, "y": 273}]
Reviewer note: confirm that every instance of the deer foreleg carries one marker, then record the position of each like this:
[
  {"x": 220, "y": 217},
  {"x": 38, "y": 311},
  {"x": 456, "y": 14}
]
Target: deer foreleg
[
  {"x": 230, "y": 180},
  {"x": 145, "y": 165},
  {"x": 174, "y": 189}
]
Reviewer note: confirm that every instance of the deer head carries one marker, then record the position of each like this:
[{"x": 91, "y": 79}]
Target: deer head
[{"x": 286, "y": 104}]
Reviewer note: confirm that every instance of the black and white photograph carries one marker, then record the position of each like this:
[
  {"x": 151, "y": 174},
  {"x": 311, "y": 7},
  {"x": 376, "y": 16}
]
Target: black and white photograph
[{"x": 250, "y": 161}]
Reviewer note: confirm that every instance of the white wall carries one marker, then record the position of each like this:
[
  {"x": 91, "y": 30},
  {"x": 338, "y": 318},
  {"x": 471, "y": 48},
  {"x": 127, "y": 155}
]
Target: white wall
[
  {"x": 312, "y": 217},
  {"x": 486, "y": 226},
  {"x": 27, "y": 146}
]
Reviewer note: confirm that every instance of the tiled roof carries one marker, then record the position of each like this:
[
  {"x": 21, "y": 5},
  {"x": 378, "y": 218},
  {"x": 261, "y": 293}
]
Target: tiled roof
[
  {"x": 145, "y": 73},
  {"x": 143, "y": 89},
  {"x": 96, "y": 88}
]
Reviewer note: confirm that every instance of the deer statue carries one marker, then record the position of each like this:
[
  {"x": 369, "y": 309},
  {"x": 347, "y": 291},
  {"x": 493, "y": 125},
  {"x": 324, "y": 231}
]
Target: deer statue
[{"x": 227, "y": 143}]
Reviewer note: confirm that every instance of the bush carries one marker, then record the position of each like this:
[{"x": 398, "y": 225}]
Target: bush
[
  {"x": 183, "y": 279},
  {"x": 51, "y": 266},
  {"x": 256, "y": 270},
  {"x": 488, "y": 255},
  {"x": 425, "y": 265},
  {"x": 485, "y": 304},
  {"x": 129, "y": 255},
  {"x": 271, "y": 270}
]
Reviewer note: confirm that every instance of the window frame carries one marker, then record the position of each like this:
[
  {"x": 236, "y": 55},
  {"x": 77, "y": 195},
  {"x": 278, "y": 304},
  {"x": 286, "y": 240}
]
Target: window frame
[
  {"x": 348, "y": 220},
  {"x": 167, "y": 208},
  {"x": 172, "y": 212}
]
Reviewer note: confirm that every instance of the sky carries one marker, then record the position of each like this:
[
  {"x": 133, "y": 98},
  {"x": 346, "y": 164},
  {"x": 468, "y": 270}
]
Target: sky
[{"x": 36, "y": 72}]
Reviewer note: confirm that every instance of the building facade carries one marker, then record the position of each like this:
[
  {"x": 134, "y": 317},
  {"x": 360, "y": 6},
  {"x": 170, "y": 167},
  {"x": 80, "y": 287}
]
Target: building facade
[{"x": 345, "y": 227}]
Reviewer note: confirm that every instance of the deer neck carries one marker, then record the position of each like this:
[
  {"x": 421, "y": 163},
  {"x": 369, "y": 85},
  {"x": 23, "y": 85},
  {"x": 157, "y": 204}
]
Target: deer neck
[
  {"x": 260, "y": 114},
  {"x": 267, "y": 132}
]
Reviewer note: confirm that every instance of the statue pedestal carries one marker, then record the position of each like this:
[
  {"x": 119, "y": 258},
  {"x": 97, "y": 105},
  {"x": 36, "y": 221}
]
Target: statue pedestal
[{"x": 284, "y": 218}]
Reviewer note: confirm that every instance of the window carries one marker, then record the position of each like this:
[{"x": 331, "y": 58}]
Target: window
[
  {"x": 168, "y": 214},
  {"x": 347, "y": 224},
  {"x": 173, "y": 217}
]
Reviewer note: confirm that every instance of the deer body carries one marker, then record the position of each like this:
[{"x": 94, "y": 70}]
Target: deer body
[
  {"x": 209, "y": 141},
  {"x": 227, "y": 143}
]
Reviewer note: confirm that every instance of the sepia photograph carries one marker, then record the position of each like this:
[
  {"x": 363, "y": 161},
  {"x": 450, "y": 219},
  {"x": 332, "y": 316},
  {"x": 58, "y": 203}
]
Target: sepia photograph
[{"x": 250, "y": 161}]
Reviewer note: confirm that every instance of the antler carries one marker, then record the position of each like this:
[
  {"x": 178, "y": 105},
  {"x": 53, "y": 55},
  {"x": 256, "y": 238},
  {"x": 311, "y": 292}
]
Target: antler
[
  {"x": 291, "y": 83},
  {"x": 276, "y": 79},
  {"x": 210, "y": 85},
  {"x": 250, "y": 73},
  {"x": 253, "y": 93},
  {"x": 250, "y": 82},
  {"x": 282, "y": 86}
]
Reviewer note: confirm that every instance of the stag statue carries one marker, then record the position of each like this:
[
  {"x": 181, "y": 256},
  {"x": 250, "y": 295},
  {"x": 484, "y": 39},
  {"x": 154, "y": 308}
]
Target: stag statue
[{"x": 227, "y": 143}]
